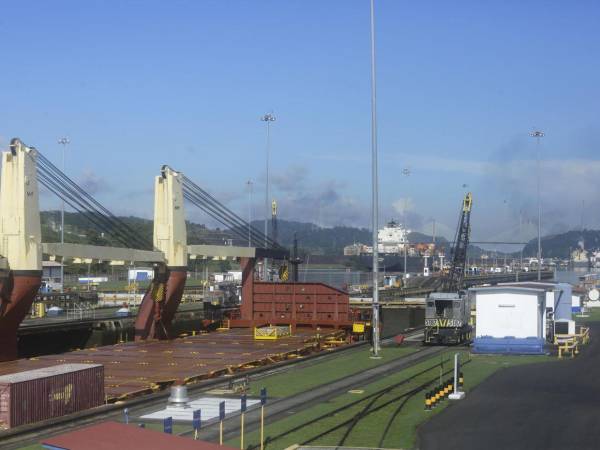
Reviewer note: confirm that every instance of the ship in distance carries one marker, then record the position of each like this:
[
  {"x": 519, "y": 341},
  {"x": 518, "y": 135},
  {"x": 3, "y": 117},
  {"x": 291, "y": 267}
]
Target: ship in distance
[{"x": 392, "y": 243}]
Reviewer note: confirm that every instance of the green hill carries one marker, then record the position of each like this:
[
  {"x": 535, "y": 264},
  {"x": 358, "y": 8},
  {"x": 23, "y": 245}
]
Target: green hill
[
  {"x": 312, "y": 239},
  {"x": 561, "y": 245},
  {"x": 79, "y": 230}
]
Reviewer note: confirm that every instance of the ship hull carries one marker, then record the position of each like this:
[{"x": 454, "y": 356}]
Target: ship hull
[
  {"x": 17, "y": 292},
  {"x": 387, "y": 262},
  {"x": 395, "y": 263}
]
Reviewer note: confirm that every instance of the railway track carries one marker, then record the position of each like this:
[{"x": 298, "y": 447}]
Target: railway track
[
  {"x": 282, "y": 407},
  {"x": 370, "y": 407}
]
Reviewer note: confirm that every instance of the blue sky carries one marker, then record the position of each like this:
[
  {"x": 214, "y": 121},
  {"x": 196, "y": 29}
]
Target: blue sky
[{"x": 460, "y": 84}]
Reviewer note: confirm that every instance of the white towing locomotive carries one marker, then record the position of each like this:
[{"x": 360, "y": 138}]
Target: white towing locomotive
[{"x": 447, "y": 318}]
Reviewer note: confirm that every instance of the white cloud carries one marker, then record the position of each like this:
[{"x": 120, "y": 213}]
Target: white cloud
[
  {"x": 92, "y": 183},
  {"x": 403, "y": 205}
]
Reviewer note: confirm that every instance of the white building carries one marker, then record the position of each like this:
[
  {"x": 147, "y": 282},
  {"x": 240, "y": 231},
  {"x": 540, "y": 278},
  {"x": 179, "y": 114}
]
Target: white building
[
  {"x": 558, "y": 296},
  {"x": 357, "y": 249},
  {"x": 141, "y": 274},
  {"x": 509, "y": 319},
  {"x": 233, "y": 276},
  {"x": 51, "y": 271}
]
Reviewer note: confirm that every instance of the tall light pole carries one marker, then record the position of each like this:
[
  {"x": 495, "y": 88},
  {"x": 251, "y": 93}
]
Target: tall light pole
[
  {"x": 537, "y": 134},
  {"x": 405, "y": 255},
  {"x": 249, "y": 184},
  {"x": 405, "y": 172},
  {"x": 267, "y": 118},
  {"x": 520, "y": 238},
  {"x": 375, "y": 189},
  {"x": 64, "y": 141}
]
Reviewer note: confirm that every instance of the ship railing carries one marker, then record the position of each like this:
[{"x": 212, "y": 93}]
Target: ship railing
[{"x": 80, "y": 311}]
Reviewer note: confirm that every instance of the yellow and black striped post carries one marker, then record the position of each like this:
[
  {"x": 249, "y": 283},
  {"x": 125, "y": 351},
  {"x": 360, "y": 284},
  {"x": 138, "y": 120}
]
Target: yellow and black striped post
[
  {"x": 427, "y": 401},
  {"x": 461, "y": 379}
]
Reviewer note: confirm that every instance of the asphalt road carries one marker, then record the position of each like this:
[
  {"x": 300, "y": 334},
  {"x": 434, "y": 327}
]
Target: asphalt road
[{"x": 538, "y": 406}]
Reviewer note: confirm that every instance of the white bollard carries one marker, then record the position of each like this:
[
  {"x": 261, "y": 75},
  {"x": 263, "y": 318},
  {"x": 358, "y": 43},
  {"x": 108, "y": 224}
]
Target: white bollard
[{"x": 456, "y": 394}]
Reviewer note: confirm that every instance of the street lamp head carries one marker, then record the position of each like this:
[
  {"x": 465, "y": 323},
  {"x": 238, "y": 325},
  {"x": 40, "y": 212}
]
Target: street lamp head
[
  {"x": 268, "y": 118},
  {"x": 64, "y": 141},
  {"x": 537, "y": 134}
]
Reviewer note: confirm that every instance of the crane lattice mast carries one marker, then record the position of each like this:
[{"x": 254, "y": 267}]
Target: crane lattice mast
[{"x": 454, "y": 280}]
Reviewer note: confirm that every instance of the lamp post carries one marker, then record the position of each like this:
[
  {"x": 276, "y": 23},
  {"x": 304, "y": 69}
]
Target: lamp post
[
  {"x": 406, "y": 243},
  {"x": 64, "y": 141},
  {"x": 538, "y": 135},
  {"x": 406, "y": 173},
  {"x": 374, "y": 181},
  {"x": 267, "y": 118},
  {"x": 249, "y": 184}
]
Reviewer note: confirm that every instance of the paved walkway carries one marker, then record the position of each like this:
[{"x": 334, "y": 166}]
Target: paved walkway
[{"x": 537, "y": 406}]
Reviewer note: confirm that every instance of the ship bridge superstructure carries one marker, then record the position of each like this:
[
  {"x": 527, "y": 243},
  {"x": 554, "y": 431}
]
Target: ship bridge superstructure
[{"x": 393, "y": 238}]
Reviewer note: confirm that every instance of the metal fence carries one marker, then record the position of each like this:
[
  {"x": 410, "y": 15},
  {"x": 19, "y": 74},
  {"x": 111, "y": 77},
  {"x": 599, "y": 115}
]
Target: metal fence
[{"x": 81, "y": 311}]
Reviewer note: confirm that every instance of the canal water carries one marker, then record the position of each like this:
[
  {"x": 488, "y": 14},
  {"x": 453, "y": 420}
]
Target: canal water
[
  {"x": 573, "y": 276},
  {"x": 338, "y": 278}
]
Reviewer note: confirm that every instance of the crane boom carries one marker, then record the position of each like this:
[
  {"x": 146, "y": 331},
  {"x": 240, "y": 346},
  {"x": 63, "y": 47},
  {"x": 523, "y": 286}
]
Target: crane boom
[{"x": 454, "y": 280}]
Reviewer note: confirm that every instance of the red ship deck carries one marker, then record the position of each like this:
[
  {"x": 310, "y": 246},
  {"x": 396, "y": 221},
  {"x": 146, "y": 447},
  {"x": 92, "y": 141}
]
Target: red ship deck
[{"x": 136, "y": 368}]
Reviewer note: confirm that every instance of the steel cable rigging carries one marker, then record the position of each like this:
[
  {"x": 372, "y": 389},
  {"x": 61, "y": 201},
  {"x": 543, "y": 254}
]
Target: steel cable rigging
[
  {"x": 102, "y": 219},
  {"x": 78, "y": 199},
  {"x": 203, "y": 200}
]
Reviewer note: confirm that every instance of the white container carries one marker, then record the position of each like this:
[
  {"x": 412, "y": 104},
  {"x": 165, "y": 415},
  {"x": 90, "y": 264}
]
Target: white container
[{"x": 506, "y": 311}]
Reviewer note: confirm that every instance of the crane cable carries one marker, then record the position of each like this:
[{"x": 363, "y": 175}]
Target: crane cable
[
  {"x": 223, "y": 215},
  {"x": 76, "y": 197}
]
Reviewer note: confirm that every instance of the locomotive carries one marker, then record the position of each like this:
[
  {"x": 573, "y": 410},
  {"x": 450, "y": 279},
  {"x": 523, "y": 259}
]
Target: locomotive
[
  {"x": 447, "y": 318},
  {"x": 447, "y": 312}
]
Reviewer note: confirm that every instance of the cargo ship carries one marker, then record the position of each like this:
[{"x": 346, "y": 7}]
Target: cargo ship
[{"x": 392, "y": 244}]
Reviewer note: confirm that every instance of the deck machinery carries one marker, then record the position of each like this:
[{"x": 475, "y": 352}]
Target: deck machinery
[{"x": 447, "y": 312}]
